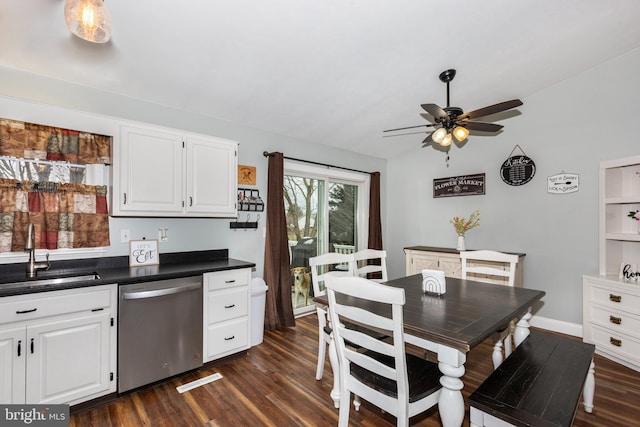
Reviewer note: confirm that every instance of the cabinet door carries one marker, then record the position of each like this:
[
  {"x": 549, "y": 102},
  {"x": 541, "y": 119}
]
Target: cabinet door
[
  {"x": 12, "y": 365},
  {"x": 68, "y": 359},
  {"x": 150, "y": 166},
  {"x": 422, "y": 261},
  {"x": 211, "y": 176},
  {"x": 451, "y": 265}
]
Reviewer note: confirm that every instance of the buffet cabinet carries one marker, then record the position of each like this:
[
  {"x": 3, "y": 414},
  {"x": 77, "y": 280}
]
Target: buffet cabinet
[
  {"x": 226, "y": 313},
  {"x": 448, "y": 260},
  {"x": 165, "y": 173},
  {"x": 611, "y": 318},
  {"x": 59, "y": 346}
]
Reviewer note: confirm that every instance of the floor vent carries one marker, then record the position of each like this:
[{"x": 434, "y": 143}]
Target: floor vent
[{"x": 198, "y": 383}]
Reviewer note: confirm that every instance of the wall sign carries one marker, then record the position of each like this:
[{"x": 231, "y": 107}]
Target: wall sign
[
  {"x": 246, "y": 175},
  {"x": 143, "y": 252},
  {"x": 517, "y": 170},
  {"x": 465, "y": 185},
  {"x": 563, "y": 183}
]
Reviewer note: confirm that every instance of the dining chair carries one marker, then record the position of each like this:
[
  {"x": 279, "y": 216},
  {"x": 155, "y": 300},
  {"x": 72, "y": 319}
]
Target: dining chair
[
  {"x": 373, "y": 271},
  {"x": 380, "y": 371},
  {"x": 493, "y": 267},
  {"x": 323, "y": 266}
]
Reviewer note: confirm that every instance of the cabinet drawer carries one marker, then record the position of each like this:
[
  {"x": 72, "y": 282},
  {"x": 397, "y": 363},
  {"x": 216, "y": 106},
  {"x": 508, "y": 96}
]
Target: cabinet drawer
[
  {"x": 34, "y": 306},
  {"x": 225, "y": 279},
  {"x": 618, "y": 344},
  {"x": 227, "y": 337},
  {"x": 227, "y": 304},
  {"x": 615, "y": 298},
  {"x": 616, "y": 321}
]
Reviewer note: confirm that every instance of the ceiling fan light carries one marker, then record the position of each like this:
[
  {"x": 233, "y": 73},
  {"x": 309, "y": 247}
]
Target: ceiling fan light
[
  {"x": 460, "y": 133},
  {"x": 439, "y": 135},
  {"x": 446, "y": 141},
  {"x": 88, "y": 19}
]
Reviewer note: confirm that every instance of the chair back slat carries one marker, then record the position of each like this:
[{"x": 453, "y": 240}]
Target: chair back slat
[
  {"x": 369, "y": 261},
  {"x": 321, "y": 267},
  {"x": 495, "y": 264}
]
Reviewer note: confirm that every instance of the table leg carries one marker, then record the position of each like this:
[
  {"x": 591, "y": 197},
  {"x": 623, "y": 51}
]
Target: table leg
[
  {"x": 335, "y": 368},
  {"x": 522, "y": 329},
  {"x": 589, "y": 389},
  {"x": 450, "y": 402}
]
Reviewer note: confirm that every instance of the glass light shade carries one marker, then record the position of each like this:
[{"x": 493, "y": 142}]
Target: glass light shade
[
  {"x": 460, "y": 133},
  {"x": 439, "y": 135},
  {"x": 446, "y": 141},
  {"x": 88, "y": 19}
]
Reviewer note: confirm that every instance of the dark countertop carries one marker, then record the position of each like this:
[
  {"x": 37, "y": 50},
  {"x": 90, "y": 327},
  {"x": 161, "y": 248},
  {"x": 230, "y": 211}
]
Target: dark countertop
[
  {"x": 449, "y": 250},
  {"x": 117, "y": 270}
]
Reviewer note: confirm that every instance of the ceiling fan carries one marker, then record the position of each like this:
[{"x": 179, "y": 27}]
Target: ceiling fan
[{"x": 452, "y": 122}]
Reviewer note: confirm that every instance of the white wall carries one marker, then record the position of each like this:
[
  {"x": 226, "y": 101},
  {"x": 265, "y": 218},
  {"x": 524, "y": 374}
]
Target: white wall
[
  {"x": 36, "y": 99},
  {"x": 569, "y": 127}
]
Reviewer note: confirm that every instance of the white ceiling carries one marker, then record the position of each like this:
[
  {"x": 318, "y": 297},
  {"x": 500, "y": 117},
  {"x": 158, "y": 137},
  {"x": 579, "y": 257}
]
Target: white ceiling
[{"x": 334, "y": 72}]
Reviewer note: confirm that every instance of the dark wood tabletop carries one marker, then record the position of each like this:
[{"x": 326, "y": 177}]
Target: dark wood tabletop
[{"x": 467, "y": 314}]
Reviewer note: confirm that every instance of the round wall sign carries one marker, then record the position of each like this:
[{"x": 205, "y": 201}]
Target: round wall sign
[{"x": 517, "y": 170}]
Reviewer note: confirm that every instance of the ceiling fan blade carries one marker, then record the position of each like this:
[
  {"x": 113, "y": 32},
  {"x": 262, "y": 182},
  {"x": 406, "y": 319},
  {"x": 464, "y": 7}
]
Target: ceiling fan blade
[
  {"x": 483, "y": 127},
  {"x": 435, "y": 111},
  {"x": 427, "y": 140},
  {"x": 491, "y": 109},
  {"x": 408, "y": 127}
]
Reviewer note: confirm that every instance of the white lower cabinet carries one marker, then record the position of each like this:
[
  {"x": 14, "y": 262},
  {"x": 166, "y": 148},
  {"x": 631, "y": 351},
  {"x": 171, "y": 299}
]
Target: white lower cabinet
[
  {"x": 611, "y": 318},
  {"x": 58, "y": 347},
  {"x": 226, "y": 313}
]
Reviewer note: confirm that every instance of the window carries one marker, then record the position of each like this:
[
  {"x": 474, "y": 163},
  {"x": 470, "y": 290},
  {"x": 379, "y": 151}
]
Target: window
[{"x": 326, "y": 211}]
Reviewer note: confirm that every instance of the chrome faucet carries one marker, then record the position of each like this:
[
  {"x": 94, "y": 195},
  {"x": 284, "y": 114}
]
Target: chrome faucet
[{"x": 30, "y": 246}]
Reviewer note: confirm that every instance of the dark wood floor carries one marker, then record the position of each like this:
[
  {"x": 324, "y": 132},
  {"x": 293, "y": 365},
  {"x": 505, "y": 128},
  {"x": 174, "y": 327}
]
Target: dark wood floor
[{"x": 274, "y": 385}]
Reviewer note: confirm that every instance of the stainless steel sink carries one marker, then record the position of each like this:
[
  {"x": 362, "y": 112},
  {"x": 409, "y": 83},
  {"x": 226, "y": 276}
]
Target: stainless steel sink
[{"x": 49, "y": 281}]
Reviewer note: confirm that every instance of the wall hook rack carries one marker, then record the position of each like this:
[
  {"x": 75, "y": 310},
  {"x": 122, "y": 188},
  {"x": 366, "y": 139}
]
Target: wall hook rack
[{"x": 248, "y": 224}]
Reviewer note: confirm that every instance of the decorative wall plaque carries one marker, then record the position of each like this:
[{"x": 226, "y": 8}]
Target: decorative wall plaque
[
  {"x": 563, "y": 183},
  {"x": 246, "y": 175},
  {"x": 465, "y": 185},
  {"x": 517, "y": 170}
]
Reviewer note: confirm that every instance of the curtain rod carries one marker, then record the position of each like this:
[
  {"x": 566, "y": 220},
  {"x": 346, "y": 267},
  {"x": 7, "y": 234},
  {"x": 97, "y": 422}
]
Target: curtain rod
[{"x": 267, "y": 154}]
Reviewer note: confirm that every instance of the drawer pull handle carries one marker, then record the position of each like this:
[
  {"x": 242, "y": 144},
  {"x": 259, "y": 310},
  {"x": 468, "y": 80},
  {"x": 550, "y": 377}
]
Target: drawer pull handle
[
  {"x": 229, "y": 306},
  {"x": 615, "y": 298},
  {"x": 31, "y": 345},
  {"x": 230, "y": 281},
  {"x": 26, "y": 311},
  {"x": 616, "y": 342},
  {"x": 233, "y": 337},
  {"x": 19, "y": 348},
  {"x": 616, "y": 320}
]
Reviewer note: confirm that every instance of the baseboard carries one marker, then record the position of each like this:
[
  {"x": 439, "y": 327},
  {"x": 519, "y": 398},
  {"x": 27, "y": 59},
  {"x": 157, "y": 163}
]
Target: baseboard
[{"x": 560, "y": 326}]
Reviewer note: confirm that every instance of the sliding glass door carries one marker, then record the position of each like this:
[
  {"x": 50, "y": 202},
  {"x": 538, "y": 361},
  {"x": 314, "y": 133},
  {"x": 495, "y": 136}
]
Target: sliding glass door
[{"x": 326, "y": 211}]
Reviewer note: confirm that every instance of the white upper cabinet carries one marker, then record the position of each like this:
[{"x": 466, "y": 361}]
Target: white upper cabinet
[
  {"x": 159, "y": 172},
  {"x": 619, "y": 195}
]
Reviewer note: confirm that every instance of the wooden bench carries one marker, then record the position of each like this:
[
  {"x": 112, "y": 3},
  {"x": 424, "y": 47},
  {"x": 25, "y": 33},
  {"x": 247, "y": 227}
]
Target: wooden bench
[{"x": 539, "y": 384}]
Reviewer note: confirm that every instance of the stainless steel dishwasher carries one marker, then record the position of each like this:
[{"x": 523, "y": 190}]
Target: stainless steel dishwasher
[{"x": 159, "y": 330}]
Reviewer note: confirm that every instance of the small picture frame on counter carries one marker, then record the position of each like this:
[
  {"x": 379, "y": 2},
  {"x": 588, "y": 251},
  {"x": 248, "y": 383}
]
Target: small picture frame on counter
[{"x": 143, "y": 252}]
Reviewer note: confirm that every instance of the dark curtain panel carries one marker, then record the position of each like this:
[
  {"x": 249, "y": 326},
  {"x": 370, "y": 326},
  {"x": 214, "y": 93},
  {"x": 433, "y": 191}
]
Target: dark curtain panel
[
  {"x": 375, "y": 224},
  {"x": 277, "y": 270}
]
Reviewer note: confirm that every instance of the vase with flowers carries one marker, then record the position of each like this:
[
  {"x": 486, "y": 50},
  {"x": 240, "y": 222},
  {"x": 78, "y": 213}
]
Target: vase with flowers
[
  {"x": 635, "y": 215},
  {"x": 462, "y": 225}
]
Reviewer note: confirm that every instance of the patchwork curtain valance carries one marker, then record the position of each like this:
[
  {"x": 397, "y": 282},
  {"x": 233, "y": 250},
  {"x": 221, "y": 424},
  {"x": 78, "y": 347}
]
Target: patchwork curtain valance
[{"x": 33, "y": 141}]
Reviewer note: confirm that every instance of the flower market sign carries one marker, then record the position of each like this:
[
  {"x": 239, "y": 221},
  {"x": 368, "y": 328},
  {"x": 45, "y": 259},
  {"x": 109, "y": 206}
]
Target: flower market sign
[{"x": 466, "y": 185}]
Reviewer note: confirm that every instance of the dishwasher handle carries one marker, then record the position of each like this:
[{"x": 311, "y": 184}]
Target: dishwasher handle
[{"x": 160, "y": 292}]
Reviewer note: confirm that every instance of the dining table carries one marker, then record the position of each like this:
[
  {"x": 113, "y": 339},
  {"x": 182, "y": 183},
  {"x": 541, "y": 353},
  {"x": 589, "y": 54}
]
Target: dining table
[{"x": 450, "y": 325}]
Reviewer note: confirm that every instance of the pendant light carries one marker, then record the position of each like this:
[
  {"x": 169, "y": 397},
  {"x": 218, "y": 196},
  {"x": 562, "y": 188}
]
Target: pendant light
[{"x": 88, "y": 19}]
